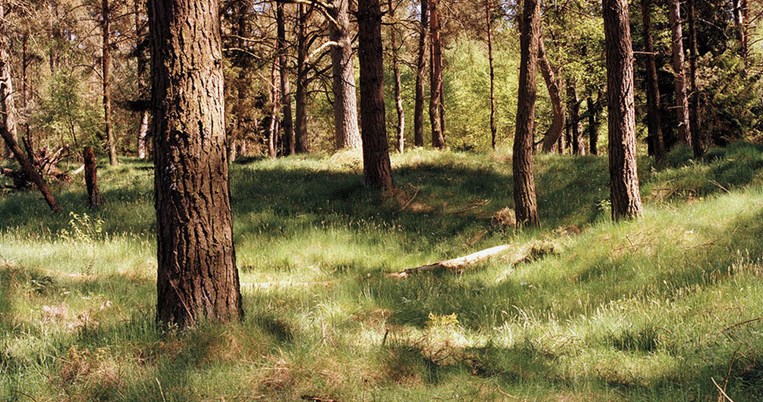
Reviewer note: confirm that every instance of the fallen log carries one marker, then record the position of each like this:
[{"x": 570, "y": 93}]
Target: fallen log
[{"x": 454, "y": 264}]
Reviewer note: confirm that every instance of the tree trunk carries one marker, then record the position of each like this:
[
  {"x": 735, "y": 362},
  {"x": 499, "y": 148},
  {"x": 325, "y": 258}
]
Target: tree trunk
[
  {"x": 91, "y": 178},
  {"x": 653, "y": 116},
  {"x": 106, "y": 81},
  {"x": 376, "y": 164},
  {"x": 197, "y": 276},
  {"x": 418, "y": 108},
  {"x": 624, "y": 185},
  {"x": 593, "y": 127},
  {"x": 553, "y": 84},
  {"x": 241, "y": 86},
  {"x": 345, "y": 97},
  {"x": 275, "y": 96},
  {"x": 8, "y": 117},
  {"x": 573, "y": 106},
  {"x": 288, "y": 123},
  {"x": 524, "y": 182},
  {"x": 7, "y": 105},
  {"x": 435, "y": 89},
  {"x": 54, "y": 35},
  {"x": 26, "y": 132},
  {"x": 682, "y": 101},
  {"x": 301, "y": 145},
  {"x": 696, "y": 132},
  {"x": 489, "y": 31},
  {"x": 398, "y": 84},
  {"x": 143, "y": 89},
  {"x": 741, "y": 13}
]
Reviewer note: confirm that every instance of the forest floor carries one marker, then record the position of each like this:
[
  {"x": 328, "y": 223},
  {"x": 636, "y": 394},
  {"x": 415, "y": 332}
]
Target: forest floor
[{"x": 666, "y": 308}]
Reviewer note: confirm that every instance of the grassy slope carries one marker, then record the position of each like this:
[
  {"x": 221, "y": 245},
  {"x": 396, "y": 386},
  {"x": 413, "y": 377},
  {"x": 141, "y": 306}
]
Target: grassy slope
[{"x": 633, "y": 311}]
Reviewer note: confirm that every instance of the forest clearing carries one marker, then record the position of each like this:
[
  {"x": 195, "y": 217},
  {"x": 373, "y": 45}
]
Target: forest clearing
[
  {"x": 366, "y": 200},
  {"x": 657, "y": 309}
]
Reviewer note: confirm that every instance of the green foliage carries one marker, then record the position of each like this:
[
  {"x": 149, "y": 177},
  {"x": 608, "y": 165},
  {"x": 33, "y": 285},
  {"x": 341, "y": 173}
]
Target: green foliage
[
  {"x": 65, "y": 113},
  {"x": 732, "y": 98},
  {"x": 467, "y": 92}
]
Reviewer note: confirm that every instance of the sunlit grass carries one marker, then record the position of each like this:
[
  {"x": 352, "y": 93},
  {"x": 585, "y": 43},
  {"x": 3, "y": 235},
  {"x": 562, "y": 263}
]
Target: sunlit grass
[{"x": 646, "y": 310}]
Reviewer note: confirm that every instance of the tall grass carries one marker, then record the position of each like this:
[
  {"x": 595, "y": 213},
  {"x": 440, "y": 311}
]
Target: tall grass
[{"x": 656, "y": 309}]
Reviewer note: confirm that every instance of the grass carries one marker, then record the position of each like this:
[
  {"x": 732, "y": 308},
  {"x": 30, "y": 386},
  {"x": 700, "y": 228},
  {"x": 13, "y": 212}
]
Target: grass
[{"x": 646, "y": 310}]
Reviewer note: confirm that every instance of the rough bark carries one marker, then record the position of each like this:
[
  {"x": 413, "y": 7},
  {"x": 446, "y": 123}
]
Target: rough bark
[
  {"x": 624, "y": 185},
  {"x": 289, "y": 140},
  {"x": 91, "y": 178},
  {"x": 106, "y": 81},
  {"x": 343, "y": 84},
  {"x": 525, "y": 202},
  {"x": 418, "y": 107},
  {"x": 653, "y": 115},
  {"x": 376, "y": 164},
  {"x": 489, "y": 32},
  {"x": 576, "y": 131},
  {"x": 301, "y": 144},
  {"x": 400, "y": 127},
  {"x": 553, "y": 84},
  {"x": 435, "y": 88},
  {"x": 696, "y": 132},
  {"x": 197, "y": 276},
  {"x": 682, "y": 100}
]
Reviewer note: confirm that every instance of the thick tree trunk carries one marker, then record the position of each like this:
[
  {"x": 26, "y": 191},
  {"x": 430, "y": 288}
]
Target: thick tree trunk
[
  {"x": 8, "y": 117},
  {"x": 696, "y": 132},
  {"x": 289, "y": 140},
  {"x": 435, "y": 89},
  {"x": 624, "y": 185},
  {"x": 106, "y": 81},
  {"x": 376, "y": 164},
  {"x": 653, "y": 115},
  {"x": 343, "y": 85},
  {"x": 489, "y": 32},
  {"x": 576, "y": 131},
  {"x": 593, "y": 127},
  {"x": 553, "y": 84},
  {"x": 418, "y": 107},
  {"x": 400, "y": 134},
  {"x": 301, "y": 144},
  {"x": 197, "y": 276},
  {"x": 91, "y": 178},
  {"x": 682, "y": 100},
  {"x": 522, "y": 161}
]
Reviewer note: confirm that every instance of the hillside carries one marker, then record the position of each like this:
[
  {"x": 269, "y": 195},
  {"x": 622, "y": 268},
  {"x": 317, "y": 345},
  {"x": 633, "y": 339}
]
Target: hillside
[{"x": 666, "y": 308}]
